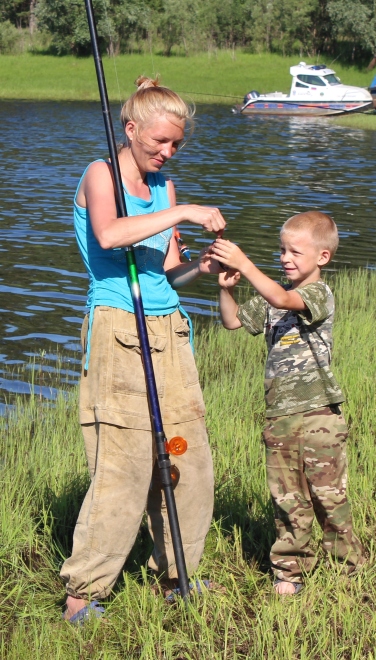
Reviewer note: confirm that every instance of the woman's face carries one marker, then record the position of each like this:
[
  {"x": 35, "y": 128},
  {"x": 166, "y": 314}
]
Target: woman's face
[{"x": 152, "y": 144}]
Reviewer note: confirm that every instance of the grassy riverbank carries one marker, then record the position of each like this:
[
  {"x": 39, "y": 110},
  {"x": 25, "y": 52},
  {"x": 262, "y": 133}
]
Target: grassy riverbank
[
  {"x": 210, "y": 75},
  {"x": 43, "y": 478},
  {"x": 216, "y": 77},
  {"x": 365, "y": 121}
]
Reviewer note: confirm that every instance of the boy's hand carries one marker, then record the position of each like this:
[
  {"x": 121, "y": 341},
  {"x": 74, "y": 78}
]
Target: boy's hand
[
  {"x": 228, "y": 279},
  {"x": 229, "y": 254}
]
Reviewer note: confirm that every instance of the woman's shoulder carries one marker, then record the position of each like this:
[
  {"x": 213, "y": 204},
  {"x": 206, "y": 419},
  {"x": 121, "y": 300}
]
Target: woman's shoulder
[
  {"x": 98, "y": 165},
  {"x": 98, "y": 173}
]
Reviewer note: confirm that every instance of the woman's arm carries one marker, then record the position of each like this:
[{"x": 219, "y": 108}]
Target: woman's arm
[
  {"x": 97, "y": 194},
  {"x": 179, "y": 274}
]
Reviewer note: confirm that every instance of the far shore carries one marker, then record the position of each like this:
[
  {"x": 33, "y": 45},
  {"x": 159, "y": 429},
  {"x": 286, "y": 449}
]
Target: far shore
[{"x": 221, "y": 77}]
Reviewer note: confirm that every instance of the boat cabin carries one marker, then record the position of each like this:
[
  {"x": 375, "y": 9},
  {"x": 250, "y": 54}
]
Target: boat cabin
[{"x": 313, "y": 80}]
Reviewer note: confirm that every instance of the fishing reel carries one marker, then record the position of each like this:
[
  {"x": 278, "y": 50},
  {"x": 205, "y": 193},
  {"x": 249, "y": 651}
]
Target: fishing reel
[{"x": 176, "y": 446}]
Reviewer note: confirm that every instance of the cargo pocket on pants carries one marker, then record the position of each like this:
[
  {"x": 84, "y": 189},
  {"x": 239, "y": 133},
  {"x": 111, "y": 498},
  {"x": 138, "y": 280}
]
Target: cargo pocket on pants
[
  {"x": 186, "y": 360},
  {"x": 128, "y": 376}
]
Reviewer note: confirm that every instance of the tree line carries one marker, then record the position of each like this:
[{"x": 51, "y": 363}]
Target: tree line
[{"x": 305, "y": 27}]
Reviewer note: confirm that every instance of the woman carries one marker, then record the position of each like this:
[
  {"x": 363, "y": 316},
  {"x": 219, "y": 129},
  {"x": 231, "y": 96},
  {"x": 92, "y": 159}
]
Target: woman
[{"x": 114, "y": 412}]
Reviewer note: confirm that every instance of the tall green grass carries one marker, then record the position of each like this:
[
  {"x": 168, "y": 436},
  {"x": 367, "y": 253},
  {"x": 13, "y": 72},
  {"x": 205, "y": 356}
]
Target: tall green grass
[
  {"x": 365, "y": 121},
  {"x": 43, "y": 479}
]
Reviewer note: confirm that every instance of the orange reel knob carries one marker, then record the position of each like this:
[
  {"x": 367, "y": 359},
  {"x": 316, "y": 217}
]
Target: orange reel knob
[
  {"x": 175, "y": 476},
  {"x": 177, "y": 446}
]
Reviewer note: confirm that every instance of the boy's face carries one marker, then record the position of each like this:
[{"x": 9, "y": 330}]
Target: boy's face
[{"x": 301, "y": 258}]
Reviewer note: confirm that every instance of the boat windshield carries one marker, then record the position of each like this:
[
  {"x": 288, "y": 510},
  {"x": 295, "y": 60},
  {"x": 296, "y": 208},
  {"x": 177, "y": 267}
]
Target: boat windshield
[
  {"x": 311, "y": 80},
  {"x": 332, "y": 79}
]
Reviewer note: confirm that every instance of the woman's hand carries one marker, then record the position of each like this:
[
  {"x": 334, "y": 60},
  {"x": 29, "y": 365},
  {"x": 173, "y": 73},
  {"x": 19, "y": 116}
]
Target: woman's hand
[
  {"x": 208, "y": 265},
  {"x": 208, "y": 217}
]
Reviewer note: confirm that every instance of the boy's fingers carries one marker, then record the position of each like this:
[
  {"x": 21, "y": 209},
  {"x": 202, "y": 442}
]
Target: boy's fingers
[{"x": 220, "y": 249}]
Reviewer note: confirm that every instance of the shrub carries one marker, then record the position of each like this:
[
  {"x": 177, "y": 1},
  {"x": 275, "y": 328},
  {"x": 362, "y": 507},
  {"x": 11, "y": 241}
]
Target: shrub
[{"x": 10, "y": 38}]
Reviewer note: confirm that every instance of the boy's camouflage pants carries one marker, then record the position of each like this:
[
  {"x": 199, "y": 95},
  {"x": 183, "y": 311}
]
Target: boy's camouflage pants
[{"x": 307, "y": 475}]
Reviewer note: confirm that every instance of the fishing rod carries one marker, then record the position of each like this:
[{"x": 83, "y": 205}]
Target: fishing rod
[{"x": 162, "y": 447}]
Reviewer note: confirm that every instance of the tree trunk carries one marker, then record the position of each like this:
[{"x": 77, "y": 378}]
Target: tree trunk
[
  {"x": 32, "y": 18},
  {"x": 372, "y": 63}
]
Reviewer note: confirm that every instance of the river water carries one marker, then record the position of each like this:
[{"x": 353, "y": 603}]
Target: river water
[{"x": 258, "y": 170}]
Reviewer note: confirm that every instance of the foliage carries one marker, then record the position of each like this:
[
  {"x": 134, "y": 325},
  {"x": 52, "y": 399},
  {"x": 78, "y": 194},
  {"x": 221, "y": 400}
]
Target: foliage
[
  {"x": 128, "y": 19},
  {"x": 283, "y": 26},
  {"x": 16, "y": 11},
  {"x": 9, "y": 37},
  {"x": 66, "y": 21},
  {"x": 116, "y": 22},
  {"x": 307, "y": 27},
  {"x": 354, "y": 22}
]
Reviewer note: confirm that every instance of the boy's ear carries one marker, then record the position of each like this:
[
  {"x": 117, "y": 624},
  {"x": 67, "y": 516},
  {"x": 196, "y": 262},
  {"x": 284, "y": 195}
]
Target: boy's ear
[{"x": 324, "y": 257}]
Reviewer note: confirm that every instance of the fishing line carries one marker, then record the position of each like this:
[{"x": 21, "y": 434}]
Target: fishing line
[
  {"x": 332, "y": 62},
  {"x": 112, "y": 52},
  {"x": 152, "y": 59},
  {"x": 223, "y": 96}
]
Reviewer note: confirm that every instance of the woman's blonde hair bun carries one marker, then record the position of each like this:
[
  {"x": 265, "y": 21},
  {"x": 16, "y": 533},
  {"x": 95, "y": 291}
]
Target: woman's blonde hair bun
[
  {"x": 151, "y": 99},
  {"x": 143, "y": 82}
]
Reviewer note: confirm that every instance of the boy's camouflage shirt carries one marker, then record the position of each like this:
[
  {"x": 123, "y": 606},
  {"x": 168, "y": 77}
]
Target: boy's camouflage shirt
[{"x": 297, "y": 374}]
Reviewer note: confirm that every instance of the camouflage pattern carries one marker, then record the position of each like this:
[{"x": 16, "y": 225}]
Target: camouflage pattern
[
  {"x": 307, "y": 476},
  {"x": 297, "y": 374}
]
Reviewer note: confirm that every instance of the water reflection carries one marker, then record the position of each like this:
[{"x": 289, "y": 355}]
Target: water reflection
[{"x": 258, "y": 170}]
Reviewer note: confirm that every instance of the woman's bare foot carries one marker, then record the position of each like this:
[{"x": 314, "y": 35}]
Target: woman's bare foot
[
  {"x": 283, "y": 588},
  {"x": 74, "y": 605}
]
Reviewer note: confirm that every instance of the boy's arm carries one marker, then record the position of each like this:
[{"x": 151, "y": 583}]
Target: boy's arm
[
  {"x": 250, "y": 315},
  {"x": 228, "y": 306},
  {"x": 232, "y": 256}
]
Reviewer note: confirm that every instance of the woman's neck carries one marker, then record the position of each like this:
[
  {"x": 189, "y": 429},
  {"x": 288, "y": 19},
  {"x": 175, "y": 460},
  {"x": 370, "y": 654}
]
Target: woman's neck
[{"x": 134, "y": 180}]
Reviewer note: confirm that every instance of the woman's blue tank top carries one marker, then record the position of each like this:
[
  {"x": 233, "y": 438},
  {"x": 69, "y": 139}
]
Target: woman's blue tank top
[{"x": 109, "y": 282}]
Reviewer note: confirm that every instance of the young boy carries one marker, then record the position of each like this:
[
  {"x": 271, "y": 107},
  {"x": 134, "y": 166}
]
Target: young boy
[{"x": 305, "y": 434}]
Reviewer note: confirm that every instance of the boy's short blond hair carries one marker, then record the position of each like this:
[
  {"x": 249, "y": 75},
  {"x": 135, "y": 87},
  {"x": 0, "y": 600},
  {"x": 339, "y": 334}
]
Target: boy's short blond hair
[{"x": 321, "y": 226}]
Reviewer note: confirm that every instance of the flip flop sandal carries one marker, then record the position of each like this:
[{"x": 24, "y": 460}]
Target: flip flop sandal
[
  {"x": 297, "y": 586},
  {"x": 93, "y": 609}
]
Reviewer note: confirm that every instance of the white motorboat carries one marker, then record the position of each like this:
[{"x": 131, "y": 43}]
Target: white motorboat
[{"x": 315, "y": 91}]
